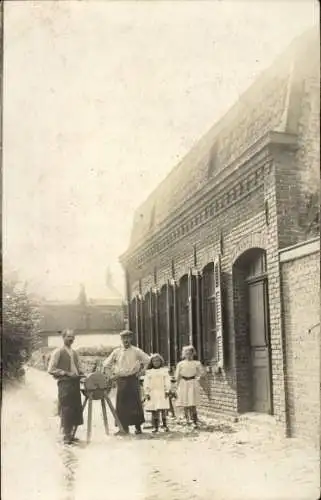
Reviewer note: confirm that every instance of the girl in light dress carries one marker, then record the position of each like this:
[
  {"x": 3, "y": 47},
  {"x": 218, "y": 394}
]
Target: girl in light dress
[
  {"x": 188, "y": 374},
  {"x": 157, "y": 386}
]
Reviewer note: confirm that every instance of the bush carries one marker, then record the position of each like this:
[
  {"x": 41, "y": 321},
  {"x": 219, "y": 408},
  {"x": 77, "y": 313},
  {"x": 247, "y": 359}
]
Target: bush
[
  {"x": 102, "y": 351},
  {"x": 40, "y": 358},
  {"x": 19, "y": 330}
]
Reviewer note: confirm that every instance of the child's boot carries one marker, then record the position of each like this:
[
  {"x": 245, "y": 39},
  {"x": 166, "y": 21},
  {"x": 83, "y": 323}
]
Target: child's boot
[
  {"x": 187, "y": 416},
  {"x": 164, "y": 421},
  {"x": 155, "y": 422},
  {"x": 194, "y": 418}
]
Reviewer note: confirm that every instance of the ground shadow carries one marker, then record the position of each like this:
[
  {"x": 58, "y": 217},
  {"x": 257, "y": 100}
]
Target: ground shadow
[
  {"x": 70, "y": 463},
  {"x": 227, "y": 429},
  {"x": 204, "y": 427}
]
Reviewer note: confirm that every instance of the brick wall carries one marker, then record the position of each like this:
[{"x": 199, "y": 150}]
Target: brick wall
[
  {"x": 236, "y": 226},
  {"x": 301, "y": 308},
  {"x": 242, "y": 226},
  {"x": 281, "y": 178}
]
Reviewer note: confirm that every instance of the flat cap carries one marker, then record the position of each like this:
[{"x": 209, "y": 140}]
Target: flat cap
[{"x": 125, "y": 333}]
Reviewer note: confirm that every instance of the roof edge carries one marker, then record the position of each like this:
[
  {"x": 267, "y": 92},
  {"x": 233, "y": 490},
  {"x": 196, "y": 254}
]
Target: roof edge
[{"x": 271, "y": 138}]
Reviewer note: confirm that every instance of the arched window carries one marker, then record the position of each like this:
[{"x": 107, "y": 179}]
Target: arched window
[
  {"x": 183, "y": 314},
  {"x": 150, "y": 321},
  {"x": 187, "y": 311},
  {"x": 209, "y": 320}
]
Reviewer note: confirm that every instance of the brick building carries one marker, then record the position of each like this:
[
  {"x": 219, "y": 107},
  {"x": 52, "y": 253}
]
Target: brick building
[{"x": 203, "y": 265}]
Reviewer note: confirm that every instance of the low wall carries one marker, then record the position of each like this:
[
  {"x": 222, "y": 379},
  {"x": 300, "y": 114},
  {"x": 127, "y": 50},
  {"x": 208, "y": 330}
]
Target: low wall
[{"x": 300, "y": 273}]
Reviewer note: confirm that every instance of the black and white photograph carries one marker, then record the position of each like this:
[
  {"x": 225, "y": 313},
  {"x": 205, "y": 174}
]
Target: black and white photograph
[{"x": 160, "y": 250}]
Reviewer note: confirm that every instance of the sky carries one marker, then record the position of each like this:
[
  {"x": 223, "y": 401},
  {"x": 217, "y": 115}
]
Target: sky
[{"x": 100, "y": 101}]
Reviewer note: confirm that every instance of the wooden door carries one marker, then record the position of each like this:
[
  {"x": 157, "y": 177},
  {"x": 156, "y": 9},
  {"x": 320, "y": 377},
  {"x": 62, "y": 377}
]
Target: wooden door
[{"x": 259, "y": 346}]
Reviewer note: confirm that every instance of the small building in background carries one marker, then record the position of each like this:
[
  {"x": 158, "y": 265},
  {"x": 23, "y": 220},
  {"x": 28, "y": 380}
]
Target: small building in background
[{"x": 95, "y": 321}]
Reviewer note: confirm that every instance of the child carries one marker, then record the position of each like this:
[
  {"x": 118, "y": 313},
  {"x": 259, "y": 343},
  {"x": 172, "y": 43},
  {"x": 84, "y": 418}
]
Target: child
[
  {"x": 157, "y": 385},
  {"x": 188, "y": 373}
]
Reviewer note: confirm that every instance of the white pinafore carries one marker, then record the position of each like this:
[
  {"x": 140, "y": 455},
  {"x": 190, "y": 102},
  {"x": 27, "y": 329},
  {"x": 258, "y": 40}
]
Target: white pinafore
[
  {"x": 188, "y": 373},
  {"x": 157, "y": 382}
]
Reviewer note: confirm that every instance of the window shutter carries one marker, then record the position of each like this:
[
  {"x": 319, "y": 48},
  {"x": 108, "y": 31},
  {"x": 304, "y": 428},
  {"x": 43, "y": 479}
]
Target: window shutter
[
  {"x": 155, "y": 322},
  {"x": 176, "y": 354},
  {"x": 190, "y": 308},
  {"x": 168, "y": 321},
  {"x": 204, "y": 317},
  {"x": 199, "y": 315},
  {"x": 141, "y": 322},
  {"x": 218, "y": 310},
  {"x": 149, "y": 322},
  {"x": 132, "y": 318},
  {"x": 138, "y": 340},
  {"x": 150, "y": 315}
]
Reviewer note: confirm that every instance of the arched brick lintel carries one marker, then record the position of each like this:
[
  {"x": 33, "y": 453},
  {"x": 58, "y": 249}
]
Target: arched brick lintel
[{"x": 253, "y": 240}]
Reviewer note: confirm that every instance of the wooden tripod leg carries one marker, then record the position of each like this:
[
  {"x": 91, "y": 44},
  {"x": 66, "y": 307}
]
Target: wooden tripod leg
[
  {"x": 112, "y": 409},
  {"x": 89, "y": 421},
  {"x": 103, "y": 407},
  {"x": 84, "y": 403}
]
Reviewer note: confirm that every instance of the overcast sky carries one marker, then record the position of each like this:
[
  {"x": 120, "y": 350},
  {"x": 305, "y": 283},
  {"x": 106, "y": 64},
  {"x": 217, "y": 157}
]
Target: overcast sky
[{"x": 101, "y": 100}]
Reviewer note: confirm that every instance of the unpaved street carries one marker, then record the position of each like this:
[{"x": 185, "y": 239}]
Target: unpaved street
[{"x": 249, "y": 460}]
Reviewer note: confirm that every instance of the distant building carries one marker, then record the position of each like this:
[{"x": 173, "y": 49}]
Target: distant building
[
  {"x": 225, "y": 254},
  {"x": 95, "y": 321}
]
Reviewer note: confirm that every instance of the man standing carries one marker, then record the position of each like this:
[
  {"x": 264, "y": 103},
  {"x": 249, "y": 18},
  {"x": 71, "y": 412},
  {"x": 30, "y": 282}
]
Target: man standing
[
  {"x": 124, "y": 365},
  {"x": 64, "y": 366}
]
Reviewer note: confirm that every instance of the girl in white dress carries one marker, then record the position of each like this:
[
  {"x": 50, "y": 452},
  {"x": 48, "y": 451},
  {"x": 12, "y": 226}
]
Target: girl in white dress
[
  {"x": 188, "y": 374},
  {"x": 157, "y": 385}
]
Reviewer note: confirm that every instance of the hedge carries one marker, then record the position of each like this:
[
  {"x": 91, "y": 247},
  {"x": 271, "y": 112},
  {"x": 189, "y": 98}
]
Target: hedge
[
  {"x": 95, "y": 351},
  {"x": 20, "y": 322},
  {"x": 40, "y": 357}
]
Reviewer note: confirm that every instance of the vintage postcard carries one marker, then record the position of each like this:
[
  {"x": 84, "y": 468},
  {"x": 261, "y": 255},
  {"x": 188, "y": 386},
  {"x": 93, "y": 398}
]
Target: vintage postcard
[{"x": 161, "y": 251}]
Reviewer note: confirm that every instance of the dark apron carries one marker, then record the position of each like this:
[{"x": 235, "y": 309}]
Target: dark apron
[
  {"x": 129, "y": 406},
  {"x": 69, "y": 401}
]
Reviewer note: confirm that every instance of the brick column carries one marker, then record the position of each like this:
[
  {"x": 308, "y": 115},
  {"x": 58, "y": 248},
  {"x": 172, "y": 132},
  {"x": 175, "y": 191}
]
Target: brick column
[{"x": 274, "y": 290}]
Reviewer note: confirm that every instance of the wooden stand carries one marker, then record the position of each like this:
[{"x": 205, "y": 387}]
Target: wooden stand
[{"x": 97, "y": 387}]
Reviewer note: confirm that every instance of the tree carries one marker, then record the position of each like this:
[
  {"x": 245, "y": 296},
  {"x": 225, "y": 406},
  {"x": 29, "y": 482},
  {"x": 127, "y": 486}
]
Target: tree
[{"x": 20, "y": 326}]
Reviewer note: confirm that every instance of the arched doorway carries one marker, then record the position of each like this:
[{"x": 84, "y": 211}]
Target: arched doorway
[
  {"x": 252, "y": 332},
  {"x": 208, "y": 320}
]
